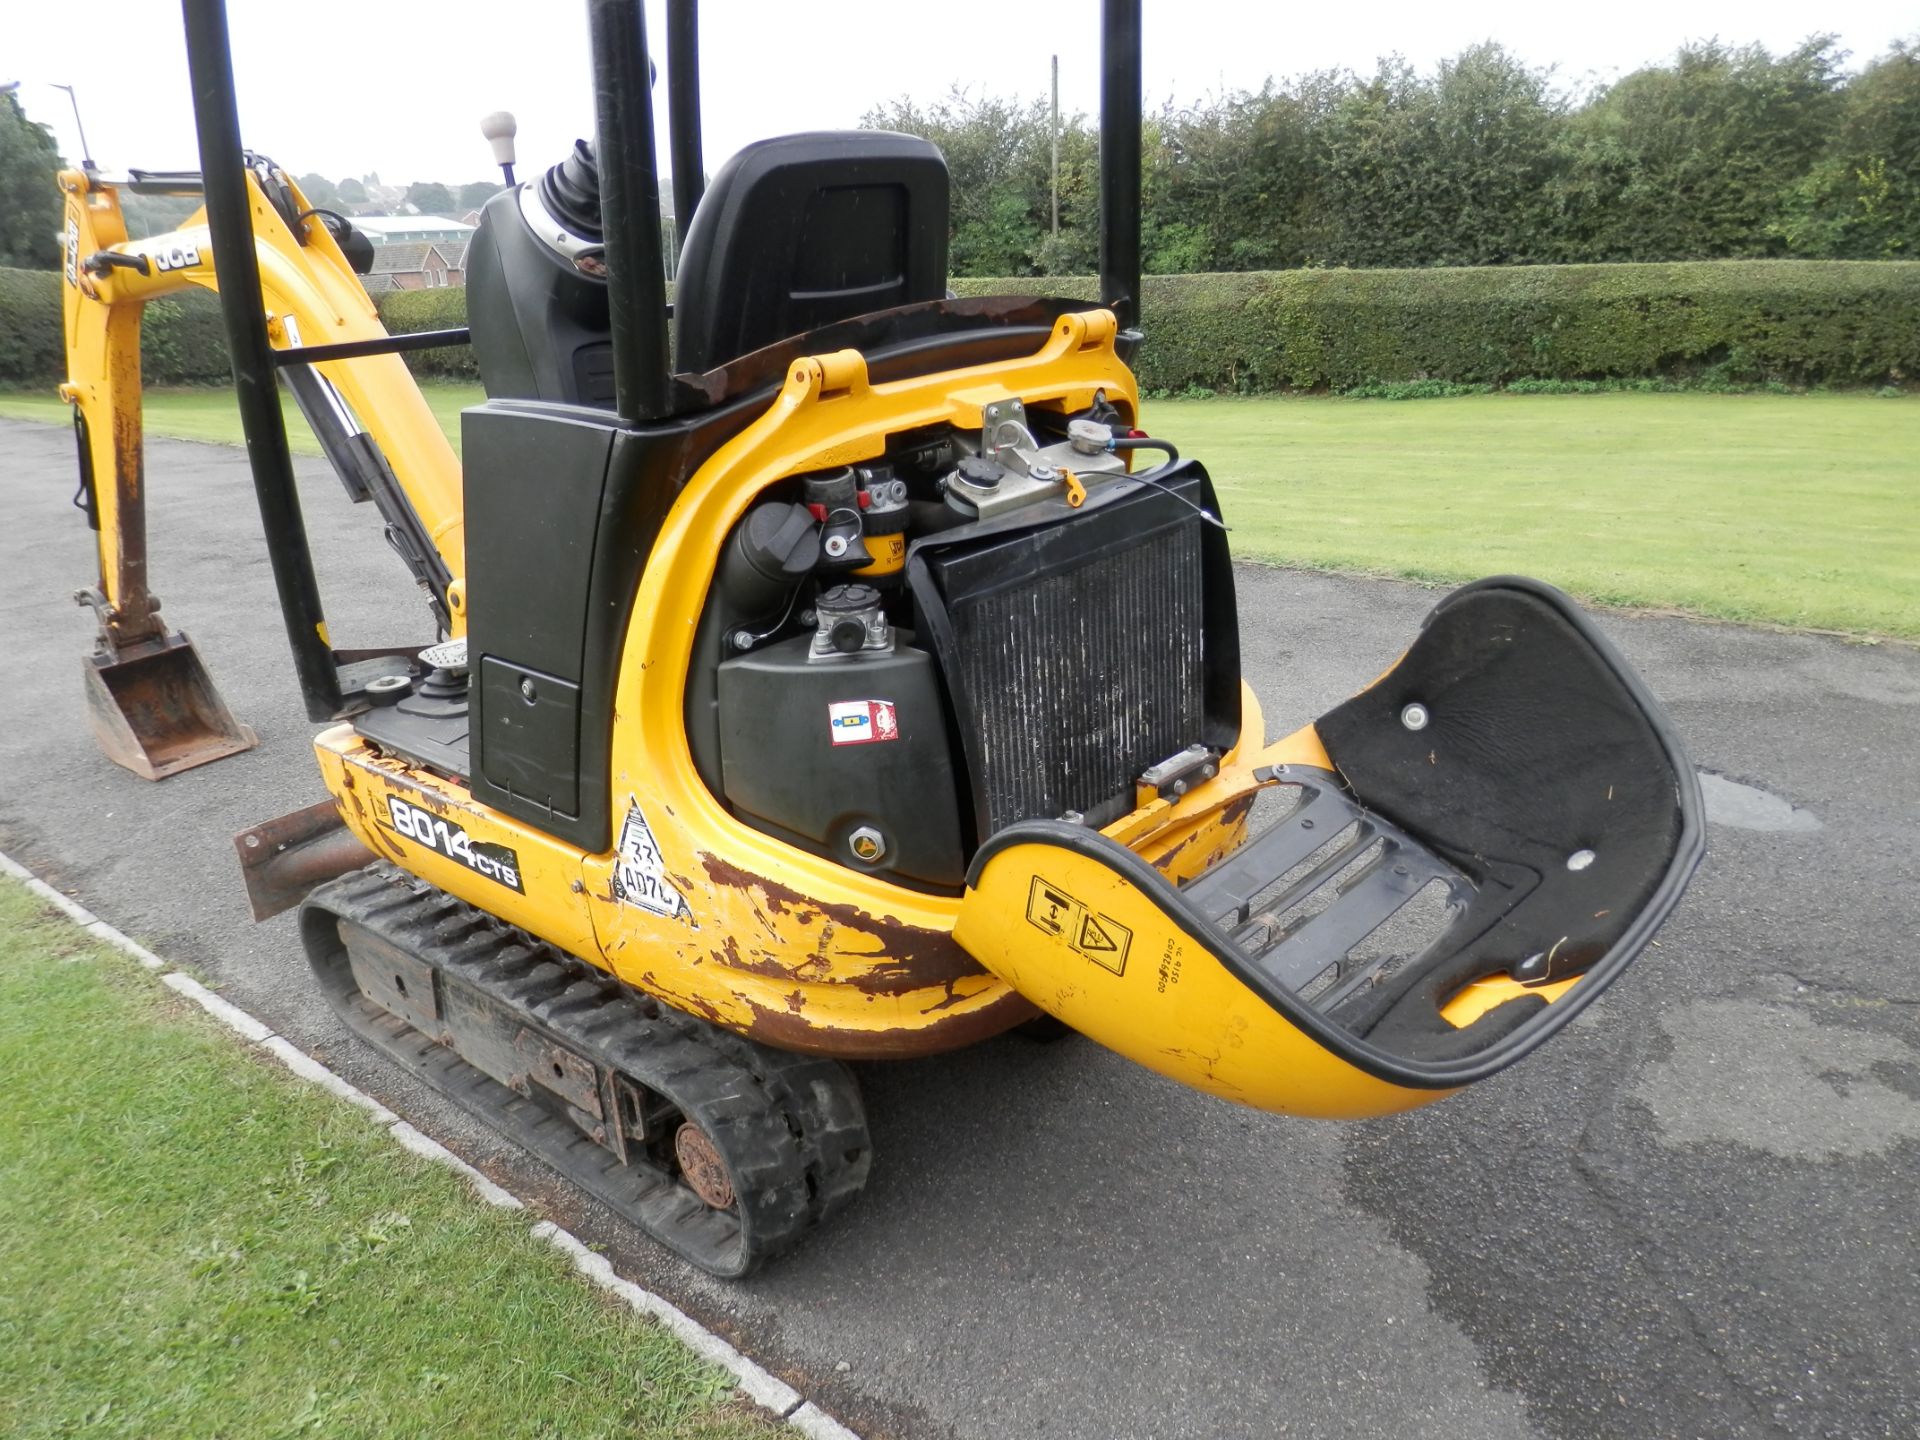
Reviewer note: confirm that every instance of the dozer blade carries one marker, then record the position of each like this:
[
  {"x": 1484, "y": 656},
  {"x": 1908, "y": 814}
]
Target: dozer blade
[
  {"x": 1471, "y": 850},
  {"x": 154, "y": 709}
]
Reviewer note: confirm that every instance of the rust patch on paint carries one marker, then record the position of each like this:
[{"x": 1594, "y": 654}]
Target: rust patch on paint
[
  {"x": 1222, "y": 829},
  {"x": 785, "y": 1031},
  {"x": 912, "y": 958}
]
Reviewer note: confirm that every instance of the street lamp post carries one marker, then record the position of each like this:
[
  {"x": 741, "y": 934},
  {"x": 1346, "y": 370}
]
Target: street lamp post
[{"x": 86, "y": 151}]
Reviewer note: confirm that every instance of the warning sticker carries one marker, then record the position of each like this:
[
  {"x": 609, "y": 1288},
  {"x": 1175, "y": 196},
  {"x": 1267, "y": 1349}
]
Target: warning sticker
[
  {"x": 1096, "y": 937},
  {"x": 862, "y": 722},
  {"x": 639, "y": 872}
]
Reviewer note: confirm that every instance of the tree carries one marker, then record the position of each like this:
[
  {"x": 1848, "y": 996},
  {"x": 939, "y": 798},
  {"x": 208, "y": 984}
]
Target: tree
[
  {"x": 1692, "y": 161},
  {"x": 476, "y": 193},
  {"x": 319, "y": 190},
  {"x": 29, "y": 193},
  {"x": 1721, "y": 152},
  {"x": 351, "y": 192},
  {"x": 1862, "y": 201},
  {"x": 1234, "y": 183},
  {"x": 993, "y": 231},
  {"x": 155, "y": 214},
  {"x": 430, "y": 197}
]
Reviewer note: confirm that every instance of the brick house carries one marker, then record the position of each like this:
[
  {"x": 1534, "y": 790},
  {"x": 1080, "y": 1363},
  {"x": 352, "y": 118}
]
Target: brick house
[{"x": 417, "y": 267}]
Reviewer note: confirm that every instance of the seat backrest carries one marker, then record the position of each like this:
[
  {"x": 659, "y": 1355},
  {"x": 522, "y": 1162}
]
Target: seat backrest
[{"x": 805, "y": 230}]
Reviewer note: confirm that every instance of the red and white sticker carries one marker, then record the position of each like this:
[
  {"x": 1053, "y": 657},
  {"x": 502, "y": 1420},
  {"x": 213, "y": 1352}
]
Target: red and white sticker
[{"x": 861, "y": 722}]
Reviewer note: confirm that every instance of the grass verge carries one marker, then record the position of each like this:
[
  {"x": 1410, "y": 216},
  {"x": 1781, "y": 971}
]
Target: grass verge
[
  {"x": 1800, "y": 510},
  {"x": 196, "y": 1244}
]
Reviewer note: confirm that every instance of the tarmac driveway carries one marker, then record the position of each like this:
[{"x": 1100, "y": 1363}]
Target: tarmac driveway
[{"x": 1693, "y": 1214}]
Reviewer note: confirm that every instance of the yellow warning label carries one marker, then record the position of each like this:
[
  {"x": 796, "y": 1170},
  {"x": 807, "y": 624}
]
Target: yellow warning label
[
  {"x": 1051, "y": 909},
  {"x": 1096, "y": 937},
  {"x": 1104, "y": 941}
]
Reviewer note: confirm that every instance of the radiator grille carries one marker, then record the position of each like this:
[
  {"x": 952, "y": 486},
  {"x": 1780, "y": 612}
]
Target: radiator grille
[{"x": 1079, "y": 677}]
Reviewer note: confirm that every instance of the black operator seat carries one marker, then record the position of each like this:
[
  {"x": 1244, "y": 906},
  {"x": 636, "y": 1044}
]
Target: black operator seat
[{"x": 806, "y": 230}]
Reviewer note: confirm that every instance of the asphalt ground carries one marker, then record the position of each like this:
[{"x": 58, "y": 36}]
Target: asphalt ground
[{"x": 1691, "y": 1215}]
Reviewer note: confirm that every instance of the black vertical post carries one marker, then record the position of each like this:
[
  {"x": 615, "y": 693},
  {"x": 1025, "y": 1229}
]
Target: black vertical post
[
  {"x": 630, "y": 208},
  {"x": 683, "y": 110},
  {"x": 1120, "y": 159},
  {"x": 230, "y": 228}
]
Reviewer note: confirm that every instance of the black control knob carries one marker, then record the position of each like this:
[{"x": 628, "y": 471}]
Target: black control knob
[{"x": 981, "y": 472}]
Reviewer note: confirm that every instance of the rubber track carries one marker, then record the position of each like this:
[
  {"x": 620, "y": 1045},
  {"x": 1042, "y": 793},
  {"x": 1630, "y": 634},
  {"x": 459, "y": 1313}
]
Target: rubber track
[{"x": 790, "y": 1127}]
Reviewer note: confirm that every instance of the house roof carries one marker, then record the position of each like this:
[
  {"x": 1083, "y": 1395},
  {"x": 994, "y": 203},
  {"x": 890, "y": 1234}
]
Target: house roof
[
  {"x": 399, "y": 229},
  {"x": 378, "y": 284},
  {"x": 399, "y": 259}
]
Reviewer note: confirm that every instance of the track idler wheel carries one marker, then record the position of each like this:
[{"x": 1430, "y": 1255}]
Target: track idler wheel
[{"x": 702, "y": 1167}]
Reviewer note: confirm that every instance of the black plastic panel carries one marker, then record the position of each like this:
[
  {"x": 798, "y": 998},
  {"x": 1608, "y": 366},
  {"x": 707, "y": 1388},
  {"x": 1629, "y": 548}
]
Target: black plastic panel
[
  {"x": 437, "y": 741},
  {"x": 540, "y": 327},
  {"x": 783, "y": 772},
  {"x": 1538, "y": 771},
  {"x": 562, "y": 509},
  {"x": 533, "y": 734}
]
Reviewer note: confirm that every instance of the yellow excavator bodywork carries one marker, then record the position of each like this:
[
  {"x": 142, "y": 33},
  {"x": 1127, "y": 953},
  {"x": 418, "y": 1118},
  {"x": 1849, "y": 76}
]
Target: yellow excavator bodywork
[{"x": 618, "y": 948}]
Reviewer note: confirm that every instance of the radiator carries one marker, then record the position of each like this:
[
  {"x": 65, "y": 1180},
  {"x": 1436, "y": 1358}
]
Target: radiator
[{"x": 1076, "y": 654}]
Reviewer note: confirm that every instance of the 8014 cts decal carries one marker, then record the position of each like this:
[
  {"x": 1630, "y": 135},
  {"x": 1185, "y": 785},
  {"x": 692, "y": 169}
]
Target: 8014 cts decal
[{"x": 496, "y": 862}]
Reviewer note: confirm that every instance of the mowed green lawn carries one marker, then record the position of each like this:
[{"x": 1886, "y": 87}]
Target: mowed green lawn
[
  {"x": 194, "y": 1243},
  {"x": 1799, "y": 510},
  {"x": 213, "y": 416}
]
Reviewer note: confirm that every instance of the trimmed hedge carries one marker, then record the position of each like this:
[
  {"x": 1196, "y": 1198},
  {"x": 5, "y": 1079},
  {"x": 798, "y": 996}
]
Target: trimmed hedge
[
  {"x": 404, "y": 311},
  {"x": 31, "y": 349},
  {"x": 1799, "y": 321},
  {"x": 182, "y": 339}
]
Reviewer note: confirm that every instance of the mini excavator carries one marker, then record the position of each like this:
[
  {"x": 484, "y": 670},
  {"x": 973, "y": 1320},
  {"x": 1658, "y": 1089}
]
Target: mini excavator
[{"x": 825, "y": 668}]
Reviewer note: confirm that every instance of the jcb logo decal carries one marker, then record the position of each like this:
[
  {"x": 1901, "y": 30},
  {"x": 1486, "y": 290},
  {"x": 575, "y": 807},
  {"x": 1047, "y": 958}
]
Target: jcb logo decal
[{"x": 175, "y": 257}]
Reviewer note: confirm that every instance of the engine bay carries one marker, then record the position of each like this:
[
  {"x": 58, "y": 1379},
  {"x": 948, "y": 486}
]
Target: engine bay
[{"x": 897, "y": 658}]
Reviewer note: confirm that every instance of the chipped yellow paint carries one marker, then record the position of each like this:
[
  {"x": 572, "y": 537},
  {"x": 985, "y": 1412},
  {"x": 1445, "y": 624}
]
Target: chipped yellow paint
[
  {"x": 1484, "y": 995},
  {"x": 771, "y": 939}
]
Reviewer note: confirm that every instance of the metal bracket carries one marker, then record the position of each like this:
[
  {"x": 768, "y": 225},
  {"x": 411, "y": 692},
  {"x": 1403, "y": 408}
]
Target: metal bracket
[{"x": 285, "y": 859}]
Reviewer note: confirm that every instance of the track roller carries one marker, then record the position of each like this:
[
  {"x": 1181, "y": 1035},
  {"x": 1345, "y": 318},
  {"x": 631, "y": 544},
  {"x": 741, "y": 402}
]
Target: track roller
[{"x": 724, "y": 1150}]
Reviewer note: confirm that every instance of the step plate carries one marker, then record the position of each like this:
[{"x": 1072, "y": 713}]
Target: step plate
[{"x": 1302, "y": 900}]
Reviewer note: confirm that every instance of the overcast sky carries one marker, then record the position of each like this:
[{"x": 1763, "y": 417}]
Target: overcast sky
[{"x": 399, "y": 88}]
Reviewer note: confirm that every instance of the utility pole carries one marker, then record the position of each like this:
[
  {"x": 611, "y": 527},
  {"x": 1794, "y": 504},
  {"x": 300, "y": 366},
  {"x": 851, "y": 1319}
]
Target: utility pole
[{"x": 1055, "y": 134}]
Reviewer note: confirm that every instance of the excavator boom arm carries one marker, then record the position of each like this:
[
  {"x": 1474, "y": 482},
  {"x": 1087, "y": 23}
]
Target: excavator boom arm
[
  {"x": 154, "y": 707},
  {"x": 312, "y": 297}
]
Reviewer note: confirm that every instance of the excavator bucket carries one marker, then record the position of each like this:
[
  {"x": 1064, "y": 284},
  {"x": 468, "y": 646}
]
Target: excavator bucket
[
  {"x": 1465, "y": 855},
  {"x": 154, "y": 709}
]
